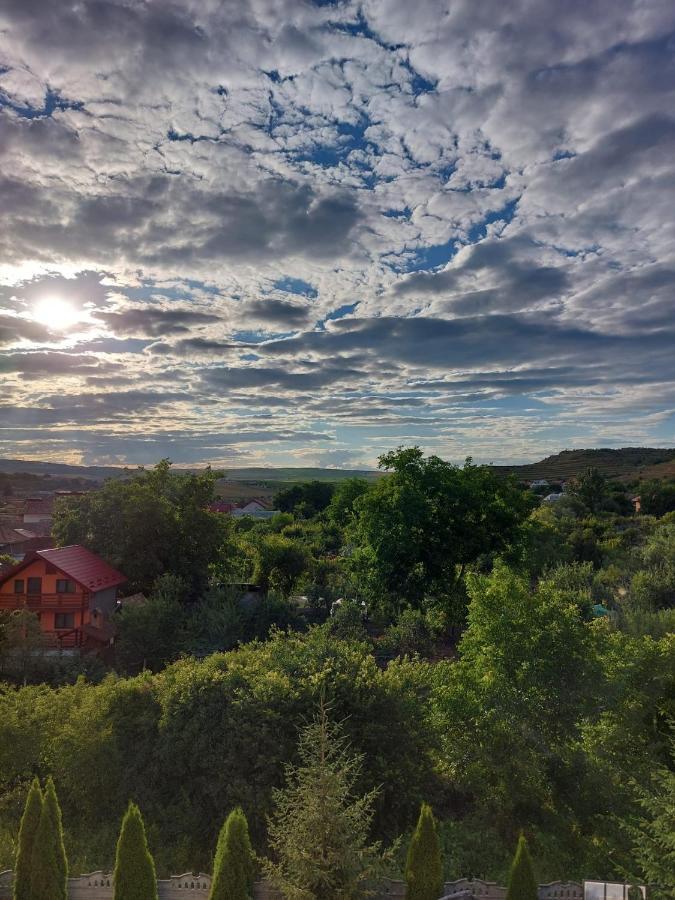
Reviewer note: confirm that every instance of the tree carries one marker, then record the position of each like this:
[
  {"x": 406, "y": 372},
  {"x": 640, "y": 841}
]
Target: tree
[
  {"x": 49, "y": 877},
  {"x": 152, "y": 634},
  {"x": 591, "y": 488},
  {"x": 418, "y": 528},
  {"x": 340, "y": 510},
  {"x": 279, "y": 563},
  {"x": 30, "y": 822},
  {"x": 657, "y": 497},
  {"x": 319, "y": 831},
  {"x": 22, "y": 644},
  {"x": 424, "y": 866},
  {"x": 134, "y": 875},
  {"x": 234, "y": 866},
  {"x": 148, "y": 524},
  {"x": 522, "y": 883},
  {"x": 305, "y": 499},
  {"x": 654, "y": 836}
]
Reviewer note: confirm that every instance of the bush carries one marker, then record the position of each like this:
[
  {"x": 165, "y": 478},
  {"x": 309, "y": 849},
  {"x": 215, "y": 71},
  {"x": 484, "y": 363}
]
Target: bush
[
  {"x": 424, "y": 866},
  {"x": 411, "y": 634},
  {"x": 346, "y": 623},
  {"x": 134, "y": 874}
]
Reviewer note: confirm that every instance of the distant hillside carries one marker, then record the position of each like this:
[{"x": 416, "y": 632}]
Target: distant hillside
[
  {"x": 628, "y": 462},
  {"x": 633, "y": 462}
]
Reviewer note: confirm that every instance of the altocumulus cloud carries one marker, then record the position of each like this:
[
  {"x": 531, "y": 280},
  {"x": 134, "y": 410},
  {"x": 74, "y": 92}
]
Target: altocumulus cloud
[{"x": 311, "y": 231}]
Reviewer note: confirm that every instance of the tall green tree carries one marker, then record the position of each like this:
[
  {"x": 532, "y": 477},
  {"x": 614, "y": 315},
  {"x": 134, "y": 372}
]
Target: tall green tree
[
  {"x": 654, "y": 836},
  {"x": 522, "y": 883},
  {"x": 30, "y": 822},
  {"x": 234, "y": 865},
  {"x": 49, "y": 877},
  {"x": 340, "y": 510},
  {"x": 134, "y": 875},
  {"x": 417, "y": 529},
  {"x": 424, "y": 865},
  {"x": 591, "y": 488},
  {"x": 150, "y": 523},
  {"x": 319, "y": 833}
]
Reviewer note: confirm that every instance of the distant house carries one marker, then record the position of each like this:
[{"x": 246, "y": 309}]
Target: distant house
[
  {"x": 540, "y": 482},
  {"x": 72, "y": 590},
  {"x": 637, "y": 503},
  {"x": 38, "y": 510},
  {"x": 258, "y": 509},
  {"x": 221, "y": 506},
  {"x": 552, "y": 498},
  {"x": 19, "y": 541}
]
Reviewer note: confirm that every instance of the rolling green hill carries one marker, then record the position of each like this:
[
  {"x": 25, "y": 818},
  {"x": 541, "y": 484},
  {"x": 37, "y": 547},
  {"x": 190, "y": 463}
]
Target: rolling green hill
[{"x": 632, "y": 462}]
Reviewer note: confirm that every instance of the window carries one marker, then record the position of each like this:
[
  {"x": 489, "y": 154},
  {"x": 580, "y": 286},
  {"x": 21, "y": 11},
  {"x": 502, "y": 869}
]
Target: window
[
  {"x": 65, "y": 586},
  {"x": 34, "y": 586},
  {"x": 64, "y": 620},
  {"x": 18, "y": 585}
]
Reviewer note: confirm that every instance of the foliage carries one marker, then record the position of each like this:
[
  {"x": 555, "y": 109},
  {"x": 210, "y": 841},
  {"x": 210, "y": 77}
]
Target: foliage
[
  {"x": 319, "y": 833},
  {"x": 657, "y": 497},
  {"x": 522, "y": 883},
  {"x": 305, "y": 499},
  {"x": 419, "y": 527},
  {"x": 141, "y": 737},
  {"x": 654, "y": 834},
  {"x": 279, "y": 563},
  {"x": 424, "y": 866},
  {"x": 346, "y": 622},
  {"x": 234, "y": 864},
  {"x": 49, "y": 876},
  {"x": 134, "y": 875},
  {"x": 30, "y": 822},
  {"x": 411, "y": 634},
  {"x": 148, "y": 524},
  {"x": 152, "y": 634},
  {"x": 341, "y": 508},
  {"x": 22, "y": 644},
  {"x": 591, "y": 488}
]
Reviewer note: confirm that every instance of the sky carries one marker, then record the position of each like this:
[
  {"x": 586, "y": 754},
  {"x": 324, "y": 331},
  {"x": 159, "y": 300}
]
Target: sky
[{"x": 304, "y": 233}]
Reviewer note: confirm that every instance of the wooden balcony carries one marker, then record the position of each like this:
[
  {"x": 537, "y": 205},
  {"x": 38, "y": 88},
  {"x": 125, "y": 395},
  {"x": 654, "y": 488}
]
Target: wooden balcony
[{"x": 37, "y": 602}]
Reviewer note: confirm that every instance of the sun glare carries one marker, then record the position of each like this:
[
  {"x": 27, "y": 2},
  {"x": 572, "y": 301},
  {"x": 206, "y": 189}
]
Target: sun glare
[{"x": 56, "y": 313}]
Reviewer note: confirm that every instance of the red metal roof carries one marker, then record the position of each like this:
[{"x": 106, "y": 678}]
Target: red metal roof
[{"x": 83, "y": 566}]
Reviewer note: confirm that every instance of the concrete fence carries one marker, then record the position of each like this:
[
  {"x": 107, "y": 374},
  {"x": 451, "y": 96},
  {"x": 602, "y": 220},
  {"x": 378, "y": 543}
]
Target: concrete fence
[{"x": 99, "y": 886}]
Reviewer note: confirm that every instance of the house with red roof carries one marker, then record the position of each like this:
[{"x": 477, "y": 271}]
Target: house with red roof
[{"x": 72, "y": 590}]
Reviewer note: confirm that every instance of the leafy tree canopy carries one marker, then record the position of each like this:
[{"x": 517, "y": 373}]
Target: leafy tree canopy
[
  {"x": 153, "y": 522},
  {"x": 419, "y": 527}
]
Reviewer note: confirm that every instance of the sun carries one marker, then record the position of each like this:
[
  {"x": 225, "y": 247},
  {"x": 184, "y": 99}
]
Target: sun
[{"x": 56, "y": 313}]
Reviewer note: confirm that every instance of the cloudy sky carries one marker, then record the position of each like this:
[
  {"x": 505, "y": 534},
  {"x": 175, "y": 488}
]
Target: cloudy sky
[{"x": 302, "y": 233}]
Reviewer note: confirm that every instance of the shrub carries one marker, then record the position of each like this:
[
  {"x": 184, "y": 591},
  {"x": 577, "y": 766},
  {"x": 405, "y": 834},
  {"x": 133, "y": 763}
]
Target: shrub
[
  {"x": 233, "y": 867},
  {"x": 30, "y": 822},
  {"x": 134, "y": 874},
  {"x": 522, "y": 883},
  {"x": 424, "y": 866},
  {"x": 49, "y": 878}
]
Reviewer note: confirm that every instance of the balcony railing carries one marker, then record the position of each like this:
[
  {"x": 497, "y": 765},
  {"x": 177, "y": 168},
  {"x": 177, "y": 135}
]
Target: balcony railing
[{"x": 42, "y": 601}]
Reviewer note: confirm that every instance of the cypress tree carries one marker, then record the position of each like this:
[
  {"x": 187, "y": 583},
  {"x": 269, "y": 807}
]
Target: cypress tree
[
  {"x": 49, "y": 877},
  {"x": 522, "y": 883},
  {"x": 233, "y": 867},
  {"x": 424, "y": 866},
  {"x": 134, "y": 874},
  {"x": 27, "y": 831}
]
